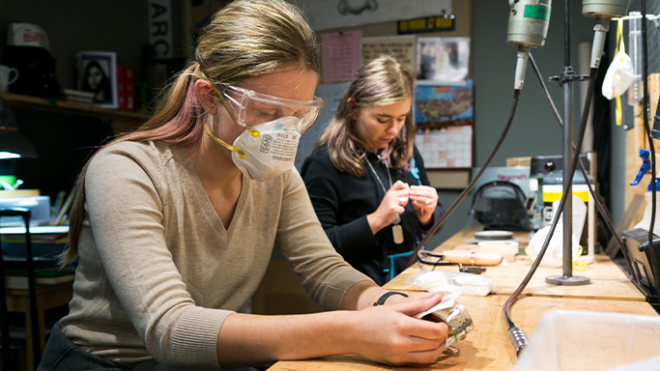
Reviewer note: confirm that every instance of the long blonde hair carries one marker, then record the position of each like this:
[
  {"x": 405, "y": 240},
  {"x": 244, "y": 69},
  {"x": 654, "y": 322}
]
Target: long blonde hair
[
  {"x": 246, "y": 39},
  {"x": 381, "y": 82}
]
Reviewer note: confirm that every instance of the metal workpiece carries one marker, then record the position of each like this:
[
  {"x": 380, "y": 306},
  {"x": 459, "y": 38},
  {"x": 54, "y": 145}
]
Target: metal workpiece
[
  {"x": 458, "y": 320},
  {"x": 604, "y": 8},
  {"x": 528, "y": 22}
]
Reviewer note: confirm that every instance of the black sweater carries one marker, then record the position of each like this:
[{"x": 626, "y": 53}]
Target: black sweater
[{"x": 342, "y": 202}]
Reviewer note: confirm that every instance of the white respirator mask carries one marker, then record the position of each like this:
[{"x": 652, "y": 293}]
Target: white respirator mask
[{"x": 268, "y": 145}]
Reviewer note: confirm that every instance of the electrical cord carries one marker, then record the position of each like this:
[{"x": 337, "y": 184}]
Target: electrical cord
[
  {"x": 454, "y": 205},
  {"x": 645, "y": 74},
  {"x": 513, "y": 330},
  {"x": 599, "y": 205}
]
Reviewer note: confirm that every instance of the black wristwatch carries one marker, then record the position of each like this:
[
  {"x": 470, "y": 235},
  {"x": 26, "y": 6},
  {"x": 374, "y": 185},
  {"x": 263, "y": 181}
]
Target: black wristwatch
[{"x": 386, "y": 295}]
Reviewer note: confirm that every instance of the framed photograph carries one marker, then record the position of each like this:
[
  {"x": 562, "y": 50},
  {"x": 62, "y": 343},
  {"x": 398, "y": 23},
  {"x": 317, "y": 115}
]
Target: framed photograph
[
  {"x": 97, "y": 74},
  {"x": 442, "y": 60}
]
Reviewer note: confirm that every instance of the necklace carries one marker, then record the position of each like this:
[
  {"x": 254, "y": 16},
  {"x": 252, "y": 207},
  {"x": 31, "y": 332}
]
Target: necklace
[{"x": 397, "y": 231}]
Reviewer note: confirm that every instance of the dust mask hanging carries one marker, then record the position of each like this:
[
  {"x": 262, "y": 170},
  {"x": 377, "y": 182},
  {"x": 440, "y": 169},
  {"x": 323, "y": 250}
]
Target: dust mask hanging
[
  {"x": 620, "y": 75},
  {"x": 268, "y": 154}
]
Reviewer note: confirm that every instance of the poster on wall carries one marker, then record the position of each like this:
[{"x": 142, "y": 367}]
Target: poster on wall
[
  {"x": 326, "y": 14},
  {"x": 445, "y": 147},
  {"x": 443, "y": 105},
  {"x": 442, "y": 60},
  {"x": 340, "y": 55},
  {"x": 400, "y": 47}
]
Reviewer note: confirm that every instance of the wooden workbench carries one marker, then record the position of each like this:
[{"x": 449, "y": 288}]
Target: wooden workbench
[
  {"x": 487, "y": 347},
  {"x": 608, "y": 282}
]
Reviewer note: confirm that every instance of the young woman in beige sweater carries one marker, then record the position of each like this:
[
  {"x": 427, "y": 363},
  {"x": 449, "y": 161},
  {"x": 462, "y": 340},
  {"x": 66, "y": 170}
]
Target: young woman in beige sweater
[{"x": 175, "y": 223}]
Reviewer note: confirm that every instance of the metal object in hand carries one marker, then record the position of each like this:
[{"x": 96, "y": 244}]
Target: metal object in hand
[{"x": 458, "y": 320}]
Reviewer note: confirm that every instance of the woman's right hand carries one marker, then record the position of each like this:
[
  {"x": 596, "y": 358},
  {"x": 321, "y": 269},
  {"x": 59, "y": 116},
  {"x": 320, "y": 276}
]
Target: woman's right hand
[
  {"x": 391, "y": 334},
  {"x": 390, "y": 206}
]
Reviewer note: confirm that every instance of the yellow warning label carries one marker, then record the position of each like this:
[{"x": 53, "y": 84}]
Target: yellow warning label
[{"x": 554, "y": 196}]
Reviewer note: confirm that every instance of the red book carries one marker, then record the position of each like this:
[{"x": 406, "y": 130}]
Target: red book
[
  {"x": 121, "y": 88},
  {"x": 128, "y": 88}
]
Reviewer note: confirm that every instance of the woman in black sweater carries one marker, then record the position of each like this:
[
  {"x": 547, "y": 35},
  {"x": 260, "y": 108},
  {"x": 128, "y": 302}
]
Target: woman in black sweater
[{"x": 367, "y": 180}]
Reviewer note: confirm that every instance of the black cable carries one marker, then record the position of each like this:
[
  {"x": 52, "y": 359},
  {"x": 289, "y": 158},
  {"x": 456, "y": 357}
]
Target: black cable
[
  {"x": 562, "y": 202},
  {"x": 454, "y": 205},
  {"x": 599, "y": 205},
  {"x": 647, "y": 128}
]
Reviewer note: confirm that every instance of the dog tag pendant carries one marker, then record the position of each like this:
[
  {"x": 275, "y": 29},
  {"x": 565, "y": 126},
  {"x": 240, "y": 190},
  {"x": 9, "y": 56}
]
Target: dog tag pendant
[{"x": 397, "y": 233}]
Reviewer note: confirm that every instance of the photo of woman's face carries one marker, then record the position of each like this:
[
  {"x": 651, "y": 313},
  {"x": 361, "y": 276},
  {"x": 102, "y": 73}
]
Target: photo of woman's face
[{"x": 94, "y": 77}]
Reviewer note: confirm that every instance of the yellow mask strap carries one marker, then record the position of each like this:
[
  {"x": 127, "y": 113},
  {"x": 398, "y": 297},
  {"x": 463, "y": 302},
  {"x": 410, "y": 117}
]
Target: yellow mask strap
[
  {"x": 619, "y": 45},
  {"x": 619, "y": 37},
  {"x": 252, "y": 132},
  {"x": 618, "y": 111},
  {"x": 241, "y": 154}
]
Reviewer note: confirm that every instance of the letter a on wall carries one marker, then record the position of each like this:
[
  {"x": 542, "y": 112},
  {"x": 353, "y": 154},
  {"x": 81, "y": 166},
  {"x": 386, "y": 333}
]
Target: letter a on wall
[{"x": 160, "y": 28}]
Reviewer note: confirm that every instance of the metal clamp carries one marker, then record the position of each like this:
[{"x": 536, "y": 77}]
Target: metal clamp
[{"x": 568, "y": 75}]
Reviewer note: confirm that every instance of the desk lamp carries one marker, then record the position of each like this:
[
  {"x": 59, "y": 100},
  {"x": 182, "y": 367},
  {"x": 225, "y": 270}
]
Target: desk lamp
[{"x": 12, "y": 143}]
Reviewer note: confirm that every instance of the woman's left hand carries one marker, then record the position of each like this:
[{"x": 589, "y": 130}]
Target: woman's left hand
[{"x": 424, "y": 200}]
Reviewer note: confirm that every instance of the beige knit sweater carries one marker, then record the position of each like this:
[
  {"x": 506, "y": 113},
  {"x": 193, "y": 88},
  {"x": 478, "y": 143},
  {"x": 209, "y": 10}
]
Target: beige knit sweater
[{"x": 158, "y": 272}]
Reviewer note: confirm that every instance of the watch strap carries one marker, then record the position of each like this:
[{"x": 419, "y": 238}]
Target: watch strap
[{"x": 386, "y": 295}]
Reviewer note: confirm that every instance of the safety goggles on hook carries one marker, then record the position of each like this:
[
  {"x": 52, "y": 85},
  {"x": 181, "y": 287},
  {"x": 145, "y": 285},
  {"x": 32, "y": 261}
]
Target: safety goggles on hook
[{"x": 251, "y": 108}]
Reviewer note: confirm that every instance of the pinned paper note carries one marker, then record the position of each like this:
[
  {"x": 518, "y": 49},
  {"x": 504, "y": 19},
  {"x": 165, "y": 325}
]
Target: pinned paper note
[{"x": 341, "y": 55}]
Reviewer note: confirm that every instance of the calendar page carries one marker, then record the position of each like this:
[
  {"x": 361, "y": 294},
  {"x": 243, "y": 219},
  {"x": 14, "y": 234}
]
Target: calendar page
[{"x": 448, "y": 147}]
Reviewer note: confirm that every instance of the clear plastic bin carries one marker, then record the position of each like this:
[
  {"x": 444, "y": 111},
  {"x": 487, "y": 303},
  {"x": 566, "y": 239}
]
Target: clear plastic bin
[{"x": 574, "y": 340}]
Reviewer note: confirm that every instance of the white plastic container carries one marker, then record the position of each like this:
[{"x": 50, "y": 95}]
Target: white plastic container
[
  {"x": 574, "y": 340},
  {"x": 38, "y": 205}
]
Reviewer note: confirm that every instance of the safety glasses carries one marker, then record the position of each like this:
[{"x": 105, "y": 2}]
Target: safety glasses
[
  {"x": 429, "y": 260},
  {"x": 251, "y": 108}
]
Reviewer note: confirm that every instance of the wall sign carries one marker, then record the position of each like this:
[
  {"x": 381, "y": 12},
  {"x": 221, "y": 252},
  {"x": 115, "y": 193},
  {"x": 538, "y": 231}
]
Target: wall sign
[
  {"x": 442, "y": 23},
  {"x": 160, "y": 28}
]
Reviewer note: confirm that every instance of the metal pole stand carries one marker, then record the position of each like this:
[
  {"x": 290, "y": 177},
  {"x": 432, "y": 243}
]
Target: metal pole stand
[{"x": 566, "y": 80}]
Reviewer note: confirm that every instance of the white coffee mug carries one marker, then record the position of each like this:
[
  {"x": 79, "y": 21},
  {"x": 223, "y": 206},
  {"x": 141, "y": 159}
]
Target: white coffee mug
[{"x": 5, "y": 80}]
